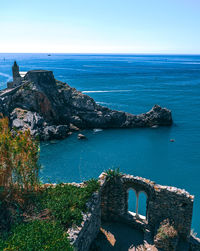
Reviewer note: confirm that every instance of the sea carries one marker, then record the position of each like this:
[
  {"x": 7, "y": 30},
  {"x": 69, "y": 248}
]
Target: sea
[{"x": 131, "y": 83}]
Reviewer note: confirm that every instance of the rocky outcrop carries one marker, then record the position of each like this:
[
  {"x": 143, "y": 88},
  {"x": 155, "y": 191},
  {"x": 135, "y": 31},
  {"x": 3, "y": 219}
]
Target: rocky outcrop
[
  {"x": 23, "y": 120},
  {"x": 81, "y": 136},
  {"x": 49, "y": 108}
]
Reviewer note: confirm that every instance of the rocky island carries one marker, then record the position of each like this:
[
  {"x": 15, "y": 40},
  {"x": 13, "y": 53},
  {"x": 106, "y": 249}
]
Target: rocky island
[{"x": 52, "y": 109}]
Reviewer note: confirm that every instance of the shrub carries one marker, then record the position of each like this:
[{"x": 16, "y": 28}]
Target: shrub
[
  {"x": 19, "y": 172},
  {"x": 92, "y": 185},
  {"x": 166, "y": 230},
  {"x": 19, "y": 154},
  {"x": 166, "y": 237},
  {"x": 37, "y": 236},
  {"x": 62, "y": 205},
  {"x": 112, "y": 174},
  {"x": 2, "y": 244}
]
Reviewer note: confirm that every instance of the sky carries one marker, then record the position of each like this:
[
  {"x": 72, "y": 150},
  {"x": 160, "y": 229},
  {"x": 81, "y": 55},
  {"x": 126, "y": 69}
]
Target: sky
[{"x": 100, "y": 26}]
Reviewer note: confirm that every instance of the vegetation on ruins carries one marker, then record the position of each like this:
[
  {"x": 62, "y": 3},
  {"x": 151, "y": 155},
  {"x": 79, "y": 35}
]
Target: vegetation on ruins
[
  {"x": 166, "y": 230},
  {"x": 50, "y": 212},
  {"x": 112, "y": 174},
  {"x": 67, "y": 202},
  {"x": 166, "y": 236},
  {"x": 35, "y": 216}
]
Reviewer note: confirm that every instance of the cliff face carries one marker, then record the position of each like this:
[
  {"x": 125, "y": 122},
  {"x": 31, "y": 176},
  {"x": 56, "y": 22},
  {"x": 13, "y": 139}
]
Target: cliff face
[{"x": 50, "y": 109}]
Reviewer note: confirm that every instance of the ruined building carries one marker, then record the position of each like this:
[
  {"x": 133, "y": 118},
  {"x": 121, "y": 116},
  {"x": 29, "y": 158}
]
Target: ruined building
[
  {"x": 18, "y": 76},
  {"x": 21, "y": 77},
  {"x": 111, "y": 204}
]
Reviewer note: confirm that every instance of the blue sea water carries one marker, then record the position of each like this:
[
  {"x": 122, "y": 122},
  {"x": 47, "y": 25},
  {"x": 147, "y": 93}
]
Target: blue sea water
[{"x": 132, "y": 83}]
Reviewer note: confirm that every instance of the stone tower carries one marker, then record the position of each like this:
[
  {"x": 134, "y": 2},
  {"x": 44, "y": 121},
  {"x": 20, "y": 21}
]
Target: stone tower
[{"x": 16, "y": 75}]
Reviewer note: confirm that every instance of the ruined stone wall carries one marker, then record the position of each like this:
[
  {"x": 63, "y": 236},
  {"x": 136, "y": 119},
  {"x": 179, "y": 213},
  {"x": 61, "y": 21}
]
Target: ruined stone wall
[
  {"x": 162, "y": 202},
  {"x": 40, "y": 77},
  {"x": 113, "y": 199},
  {"x": 82, "y": 237},
  {"x": 10, "y": 84},
  {"x": 174, "y": 204},
  {"x": 110, "y": 203}
]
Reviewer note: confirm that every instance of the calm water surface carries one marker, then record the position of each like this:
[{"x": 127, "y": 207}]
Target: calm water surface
[{"x": 132, "y": 83}]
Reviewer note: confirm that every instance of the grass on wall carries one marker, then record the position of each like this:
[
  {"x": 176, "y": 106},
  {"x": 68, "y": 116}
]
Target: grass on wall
[{"x": 42, "y": 221}]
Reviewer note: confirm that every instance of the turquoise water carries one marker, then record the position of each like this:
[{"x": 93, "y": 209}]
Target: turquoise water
[{"x": 132, "y": 83}]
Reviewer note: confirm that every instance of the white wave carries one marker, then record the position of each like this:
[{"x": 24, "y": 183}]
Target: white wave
[
  {"x": 9, "y": 77},
  {"x": 102, "y": 103},
  {"x": 111, "y": 104},
  {"x": 93, "y": 66},
  {"x": 104, "y": 91},
  {"x": 2, "y": 84},
  {"x": 97, "y": 130},
  {"x": 190, "y": 63},
  {"x": 105, "y": 103},
  {"x": 175, "y": 62}
]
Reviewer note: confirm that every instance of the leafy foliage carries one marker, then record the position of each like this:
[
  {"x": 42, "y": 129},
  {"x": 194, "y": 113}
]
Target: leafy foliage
[
  {"x": 49, "y": 211},
  {"x": 67, "y": 202},
  {"x": 92, "y": 186},
  {"x": 166, "y": 230},
  {"x": 2, "y": 244},
  {"x": 112, "y": 174},
  {"x": 37, "y": 236},
  {"x": 19, "y": 155},
  {"x": 63, "y": 205},
  {"x": 166, "y": 237}
]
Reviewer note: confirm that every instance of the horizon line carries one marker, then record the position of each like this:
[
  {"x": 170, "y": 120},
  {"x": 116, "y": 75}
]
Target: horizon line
[{"x": 103, "y": 53}]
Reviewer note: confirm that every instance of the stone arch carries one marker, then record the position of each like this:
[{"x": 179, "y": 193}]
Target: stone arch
[{"x": 141, "y": 189}]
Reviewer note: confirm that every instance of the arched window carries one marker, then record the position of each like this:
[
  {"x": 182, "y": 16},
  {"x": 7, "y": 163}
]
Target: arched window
[
  {"x": 142, "y": 204},
  {"x": 132, "y": 200}
]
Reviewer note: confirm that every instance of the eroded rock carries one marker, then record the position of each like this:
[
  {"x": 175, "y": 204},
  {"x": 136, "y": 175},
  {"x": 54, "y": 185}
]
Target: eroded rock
[
  {"x": 51, "y": 109},
  {"x": 81, "y": 136}
]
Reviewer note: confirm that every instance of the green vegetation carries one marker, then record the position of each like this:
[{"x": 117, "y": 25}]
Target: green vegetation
[
  {"x": 19, "y": 154},
  {"x": 37, "y": 235},
  {"x": 67, "y": 202},
  {"x": 111, "y": 174},
  {"x": 34, "y": 217},
  {"x": 166, "y": 236},
  {"x": 2, "y": 244},
  {"x": 27, "y": 86},
  {"x": 166, "y": 230},
  {"x": 43, "y": 219}
]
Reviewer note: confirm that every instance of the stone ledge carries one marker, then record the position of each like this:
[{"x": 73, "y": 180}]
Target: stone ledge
[{"x": 82, "y": 236}]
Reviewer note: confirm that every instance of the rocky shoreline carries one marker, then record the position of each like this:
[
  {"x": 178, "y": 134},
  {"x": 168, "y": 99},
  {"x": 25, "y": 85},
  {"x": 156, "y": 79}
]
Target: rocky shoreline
[{"x": 52, "y": 109}]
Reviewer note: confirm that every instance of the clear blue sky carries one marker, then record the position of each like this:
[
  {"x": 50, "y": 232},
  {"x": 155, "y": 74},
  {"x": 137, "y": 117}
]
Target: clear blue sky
[{"x": 100, "y": 26}]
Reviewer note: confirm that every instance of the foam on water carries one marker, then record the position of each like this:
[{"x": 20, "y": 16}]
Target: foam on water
[
  {"x": 8, "y": 77},
  {"x": 106, "y": 91}
]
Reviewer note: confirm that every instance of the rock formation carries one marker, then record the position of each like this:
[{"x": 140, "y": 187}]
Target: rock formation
[{"x": 51, "y": 109}]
